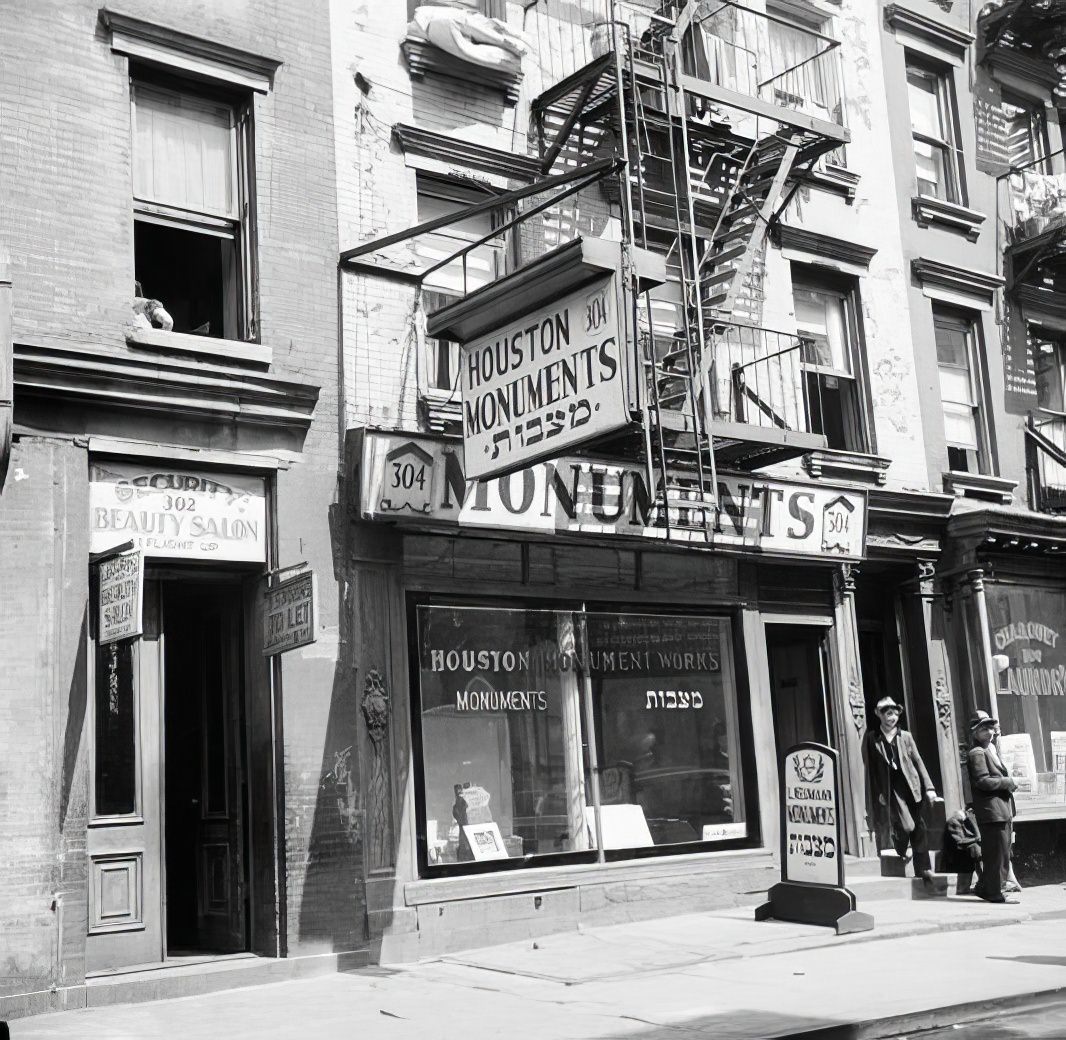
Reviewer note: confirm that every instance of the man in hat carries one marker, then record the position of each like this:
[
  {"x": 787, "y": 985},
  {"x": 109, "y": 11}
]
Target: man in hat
[
  {"x": 898, "y": 779},
  {"x": 992, "y": 789}
]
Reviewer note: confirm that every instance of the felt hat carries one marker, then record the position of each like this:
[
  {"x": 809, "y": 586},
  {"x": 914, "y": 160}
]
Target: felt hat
[{"x": 982, "y": 718}]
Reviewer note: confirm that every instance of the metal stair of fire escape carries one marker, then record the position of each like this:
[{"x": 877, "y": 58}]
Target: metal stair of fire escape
[{"x": 745, "y": 218}]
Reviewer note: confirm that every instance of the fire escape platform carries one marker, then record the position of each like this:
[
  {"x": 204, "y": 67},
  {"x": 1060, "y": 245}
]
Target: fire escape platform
[{"x": 745, "y": 445}]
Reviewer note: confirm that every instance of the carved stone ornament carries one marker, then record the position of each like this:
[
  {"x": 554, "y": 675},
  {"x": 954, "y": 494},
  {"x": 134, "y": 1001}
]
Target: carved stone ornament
[
  {"x": 375, "y": 705},
  {"x": 943, "y": 703},
  {"x": 857, "y": 703}
]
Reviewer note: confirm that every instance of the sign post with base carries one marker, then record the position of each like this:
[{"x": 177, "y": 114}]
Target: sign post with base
[{"x": 811, "y": 889}]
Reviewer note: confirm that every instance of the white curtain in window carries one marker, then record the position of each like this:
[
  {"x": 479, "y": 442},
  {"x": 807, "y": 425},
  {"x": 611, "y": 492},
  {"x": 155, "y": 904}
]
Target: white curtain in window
[
  {"x": 820, "y": 317},
  {"x": 184, "y": 152}
]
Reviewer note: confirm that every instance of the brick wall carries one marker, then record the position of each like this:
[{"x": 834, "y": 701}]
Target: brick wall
[
  {"x": 43, "y": 786},
  {"x": 65, "y": 175}
]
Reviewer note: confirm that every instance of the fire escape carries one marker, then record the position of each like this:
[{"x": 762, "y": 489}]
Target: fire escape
[
  {"x": 1035, "y": 249},
  {"x": 718, "y": 112}
]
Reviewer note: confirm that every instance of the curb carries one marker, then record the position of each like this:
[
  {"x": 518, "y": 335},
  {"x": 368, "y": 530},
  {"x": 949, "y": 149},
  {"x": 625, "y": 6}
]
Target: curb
[{"x": 924, "y": 1021}]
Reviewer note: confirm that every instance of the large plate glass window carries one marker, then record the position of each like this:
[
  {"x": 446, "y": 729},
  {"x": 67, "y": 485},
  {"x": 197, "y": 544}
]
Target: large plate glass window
[{"x": 505, "y": 700}]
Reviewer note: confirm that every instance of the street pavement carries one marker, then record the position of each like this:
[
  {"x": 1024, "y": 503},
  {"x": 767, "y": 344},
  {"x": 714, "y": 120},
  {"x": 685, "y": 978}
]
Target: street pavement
[
  {"x": 708, "y": 975},
  {"x": 1044, "y": 1022}
]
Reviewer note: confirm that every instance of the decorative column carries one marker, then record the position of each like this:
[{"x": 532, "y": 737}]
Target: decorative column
[
  {"x": 987, "y": 671},
  {"x": 849, "y": 712},
  {"x": 931, "y": 676}
]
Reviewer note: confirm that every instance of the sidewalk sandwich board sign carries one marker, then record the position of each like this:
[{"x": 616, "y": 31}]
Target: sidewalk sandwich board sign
[{"x": 811, "y": 889}]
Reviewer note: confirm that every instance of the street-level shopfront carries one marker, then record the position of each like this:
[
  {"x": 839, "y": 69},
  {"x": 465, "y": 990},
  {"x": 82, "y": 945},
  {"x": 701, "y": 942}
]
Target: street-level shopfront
[
  {"x": 1008, "y": 595},
  {"x": 561, "y": 703},
  {"x": 181, "y": 812}
]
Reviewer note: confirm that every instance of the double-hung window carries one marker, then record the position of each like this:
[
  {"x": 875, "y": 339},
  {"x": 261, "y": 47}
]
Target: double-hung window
[
  {"x": 959, "y": 363},
  {"x": 455, "y": 279},
  {"x": 192, "y": 207},
  {"x": 833, "y": 362},
  {"x": 933, "y": 128},
  {"x": 1049, "y": 358}
]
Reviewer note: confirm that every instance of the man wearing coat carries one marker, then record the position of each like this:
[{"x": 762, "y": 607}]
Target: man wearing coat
[
  {"x": 898, "y": 779},
  {"x": 992, "y": 789}
]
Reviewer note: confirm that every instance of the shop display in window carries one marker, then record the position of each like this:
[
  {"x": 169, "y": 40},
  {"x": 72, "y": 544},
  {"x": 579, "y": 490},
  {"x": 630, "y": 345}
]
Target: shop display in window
[
  {"x": 505, "y": 698},
  {"x": 1028, "y": 628}
]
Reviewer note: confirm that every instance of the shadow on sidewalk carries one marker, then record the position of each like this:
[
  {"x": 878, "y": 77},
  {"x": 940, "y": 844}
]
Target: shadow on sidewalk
[
  {"x": 739, "y": 1024},
  {"x": 1035, "y": 958}
]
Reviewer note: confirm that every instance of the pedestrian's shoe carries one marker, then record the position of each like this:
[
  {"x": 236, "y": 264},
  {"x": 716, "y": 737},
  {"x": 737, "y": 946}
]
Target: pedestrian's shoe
[
  {"x": 963, "y": 890},
  {"x": 1012, "y": 886}
]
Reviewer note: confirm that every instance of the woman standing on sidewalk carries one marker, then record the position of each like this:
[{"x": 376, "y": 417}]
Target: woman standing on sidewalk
[{"x": 993, "y": 805}]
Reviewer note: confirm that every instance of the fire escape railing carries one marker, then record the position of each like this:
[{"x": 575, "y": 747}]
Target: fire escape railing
[{"x": 1045, "y": 455}]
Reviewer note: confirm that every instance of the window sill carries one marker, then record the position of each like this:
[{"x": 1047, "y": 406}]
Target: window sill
[
  {"x": 928, "y": 211},
  {"x": 980, "y": 486},
  {"x": 442, "y": 410},
  {"x": 532, "y": 879},
  {"x": 204, "y": 346},
  {"x": 833, "y": 464},
  {"x": 838, "y": 180},
  {"x": 423, "y": 57}
]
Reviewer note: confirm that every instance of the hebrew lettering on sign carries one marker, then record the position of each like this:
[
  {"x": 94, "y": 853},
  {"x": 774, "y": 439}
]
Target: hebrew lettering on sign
[{"x": 673, "y": 699}]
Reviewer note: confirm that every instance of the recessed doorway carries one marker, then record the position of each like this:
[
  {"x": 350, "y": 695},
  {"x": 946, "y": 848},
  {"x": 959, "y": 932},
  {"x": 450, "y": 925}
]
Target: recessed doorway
[
  {"x": 204, "y": 791},
  {"x": 799, "y": 686}
]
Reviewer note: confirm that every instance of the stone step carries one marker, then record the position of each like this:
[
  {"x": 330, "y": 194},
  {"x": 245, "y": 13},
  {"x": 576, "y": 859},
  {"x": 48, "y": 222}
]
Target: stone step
[{"x": 872, "y": 888}]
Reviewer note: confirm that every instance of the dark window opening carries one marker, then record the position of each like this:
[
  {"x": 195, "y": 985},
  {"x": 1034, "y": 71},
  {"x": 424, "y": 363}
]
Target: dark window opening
[{"x": 193, "y": 275}]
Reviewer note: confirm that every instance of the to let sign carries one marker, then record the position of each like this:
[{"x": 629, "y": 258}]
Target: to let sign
[
  {"x": 121, "y": 581},
  {"x": 289, "y": 614},
  {"x": 549, "y": 382}
]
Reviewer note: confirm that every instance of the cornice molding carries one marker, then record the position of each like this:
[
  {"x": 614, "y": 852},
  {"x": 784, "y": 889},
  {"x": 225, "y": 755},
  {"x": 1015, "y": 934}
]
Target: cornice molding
[
  {"x": 960, "y": 281},
  {"x": 804, "y": 241},
  {"x": 166, "y": 387},
  {"x": 930, "y": 212},
  {"x": 858, "y": 467},
  {"x": 1005, "y": 59},
  {"x": 949, "y": 37},
  {"x": 837, "y": 180},
  {"x": 191, "y": 55},
  {"x": 444, "y": 148},
  {"x": 423, "y": 57}
]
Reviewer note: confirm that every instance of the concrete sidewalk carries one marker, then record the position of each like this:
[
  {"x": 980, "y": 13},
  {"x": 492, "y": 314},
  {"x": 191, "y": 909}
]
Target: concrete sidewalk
[{"x": 717, "y": 974}]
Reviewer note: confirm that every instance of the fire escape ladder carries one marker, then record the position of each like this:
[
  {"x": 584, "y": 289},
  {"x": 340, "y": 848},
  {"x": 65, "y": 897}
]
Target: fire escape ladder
[{"x": 680, "y": 463}]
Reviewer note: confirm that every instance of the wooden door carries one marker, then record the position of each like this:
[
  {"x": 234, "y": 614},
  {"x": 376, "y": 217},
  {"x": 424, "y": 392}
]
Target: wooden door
[
  {"x": 125, "y": 924},
  {"x": 798, "y": 685},
  {"x": 205, "y": 885}
]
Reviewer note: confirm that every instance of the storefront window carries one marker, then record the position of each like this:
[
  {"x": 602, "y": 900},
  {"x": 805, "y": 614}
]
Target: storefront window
[
  {"x": 1028, "y": 629},
  {"x": 505, "y": 699},
  {"x": 665, "y": 712}
]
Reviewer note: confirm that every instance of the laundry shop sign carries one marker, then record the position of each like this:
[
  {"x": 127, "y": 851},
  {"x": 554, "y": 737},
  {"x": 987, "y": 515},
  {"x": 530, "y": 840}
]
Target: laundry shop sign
[
  {"x": 177, "y": 513},
  {"x": 421, "y": 480}
]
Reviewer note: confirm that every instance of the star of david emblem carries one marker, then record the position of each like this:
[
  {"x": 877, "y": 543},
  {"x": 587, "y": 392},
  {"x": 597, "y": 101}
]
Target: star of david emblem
[{"x": 809, "y": 768}]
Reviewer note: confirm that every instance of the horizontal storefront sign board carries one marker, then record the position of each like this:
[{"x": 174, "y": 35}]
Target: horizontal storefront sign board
[
  {"x": 289, "y": 614},
  {"x": 548, "y": 383},
  {"x": 177, "y": 513},
  {"x": 420, "y": 479}
]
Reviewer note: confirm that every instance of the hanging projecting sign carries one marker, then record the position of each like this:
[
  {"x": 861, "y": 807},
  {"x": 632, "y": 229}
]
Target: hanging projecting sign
[
  {"x": 177, "y": 513},
  {"x": 289, "y": 614},
  {"x": 811, "y": 889},
  {"x": 551, "y": 381},
  {"x": 121, "y": 595},
  {"x": 422, "y": 479}
]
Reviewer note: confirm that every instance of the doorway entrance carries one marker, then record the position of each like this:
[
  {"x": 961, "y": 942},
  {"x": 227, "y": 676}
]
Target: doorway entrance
[
  {"x": 204, "y": 755},
  {"x": 167, "y": 840},
  {"x": 799, "y": 684}
]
